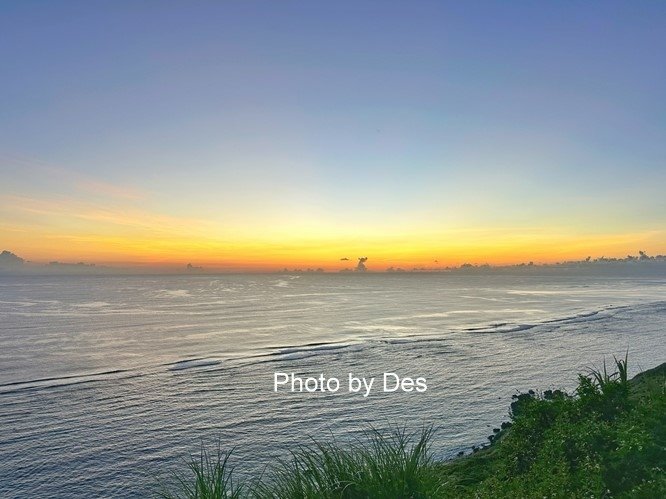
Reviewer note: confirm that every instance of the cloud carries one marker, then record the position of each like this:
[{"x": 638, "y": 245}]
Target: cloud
[
  {"x": 9, "y": 259},
  {"x": 345, "y": 259},
  {"x": 104, "y": 215},
  {"x": 108, "y": 189},
  {"x": 361, "y": 264},
  {"x": 82, "y": 182}
]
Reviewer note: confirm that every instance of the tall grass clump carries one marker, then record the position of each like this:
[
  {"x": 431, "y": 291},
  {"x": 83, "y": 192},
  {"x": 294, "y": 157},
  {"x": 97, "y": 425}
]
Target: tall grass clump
[
  {"x": 377, "y": 465},
  {"x": 209, "y": 477},
  {"x": 397, "y": 465}
]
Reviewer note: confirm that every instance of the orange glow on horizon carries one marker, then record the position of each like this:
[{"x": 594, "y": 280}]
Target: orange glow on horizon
[
  {"x": 448, "y": 248},
  {"x": 119, "y": 231}
]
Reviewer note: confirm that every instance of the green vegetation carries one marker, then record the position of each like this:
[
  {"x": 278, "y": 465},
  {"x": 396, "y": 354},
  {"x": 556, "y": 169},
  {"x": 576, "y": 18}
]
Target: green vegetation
[
  {"x": 609, "y": 440},
  {"x": 606, "y": 440},
  {"x": 210, "y": 477}
]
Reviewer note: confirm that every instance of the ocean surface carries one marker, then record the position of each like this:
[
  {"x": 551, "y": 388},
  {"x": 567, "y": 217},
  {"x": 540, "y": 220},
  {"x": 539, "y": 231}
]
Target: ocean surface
[{"x": 107, "y": 384}]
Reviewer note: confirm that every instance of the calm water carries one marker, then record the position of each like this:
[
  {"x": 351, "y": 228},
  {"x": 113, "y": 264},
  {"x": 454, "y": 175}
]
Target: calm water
[{"x": 107, "y": 383}]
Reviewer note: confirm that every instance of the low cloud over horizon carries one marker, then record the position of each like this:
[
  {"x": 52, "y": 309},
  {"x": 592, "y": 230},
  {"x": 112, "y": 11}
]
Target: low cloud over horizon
[{"x": 12, "y": 263}]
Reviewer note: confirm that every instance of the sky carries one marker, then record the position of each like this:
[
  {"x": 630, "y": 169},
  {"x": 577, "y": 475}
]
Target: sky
[{"x": 251, "y": 135}]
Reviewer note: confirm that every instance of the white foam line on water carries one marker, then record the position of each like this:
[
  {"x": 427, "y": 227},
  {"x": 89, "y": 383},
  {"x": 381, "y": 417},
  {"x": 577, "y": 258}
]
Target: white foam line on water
[{"x": 57, "y": 381}]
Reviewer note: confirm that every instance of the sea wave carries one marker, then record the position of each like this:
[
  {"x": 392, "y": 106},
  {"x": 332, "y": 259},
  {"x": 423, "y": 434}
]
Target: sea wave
[
  {"x": 282, "y": 353},
  {"x": 57, "y": 381}
]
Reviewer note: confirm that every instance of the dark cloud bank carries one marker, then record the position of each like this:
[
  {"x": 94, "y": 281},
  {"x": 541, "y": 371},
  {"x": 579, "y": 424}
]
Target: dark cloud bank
[{"x": 640, "y": 265}]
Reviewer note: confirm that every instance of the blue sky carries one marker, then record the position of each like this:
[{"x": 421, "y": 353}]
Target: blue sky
[{"x": 356, "y": 117}]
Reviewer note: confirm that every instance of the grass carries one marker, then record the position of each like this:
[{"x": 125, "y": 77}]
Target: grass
[
  {"x": 607, "y": 439},
  {"x": 209, "y": 477},
  {"x": 393, "y": 465}
]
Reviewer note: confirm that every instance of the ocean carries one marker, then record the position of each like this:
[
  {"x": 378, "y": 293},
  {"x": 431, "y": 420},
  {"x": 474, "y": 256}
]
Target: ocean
[{"x": 109, "y": 383}]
